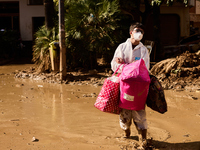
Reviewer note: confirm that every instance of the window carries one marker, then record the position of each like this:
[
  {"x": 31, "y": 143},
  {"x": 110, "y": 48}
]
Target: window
[
  {"x": 9, "y": 7},
  {"x": 35, "y": 2},
  {"x": 9, "y": 15}
]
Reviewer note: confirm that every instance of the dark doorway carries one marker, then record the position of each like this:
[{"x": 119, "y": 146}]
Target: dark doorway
[
  {"x": 170, "y": 29},
  {"x": 37, "y": 23},
  {"x": 169, "y": 33}
]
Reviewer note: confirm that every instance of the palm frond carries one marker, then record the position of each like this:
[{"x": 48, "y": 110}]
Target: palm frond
[{"x": 41, "y": 47}]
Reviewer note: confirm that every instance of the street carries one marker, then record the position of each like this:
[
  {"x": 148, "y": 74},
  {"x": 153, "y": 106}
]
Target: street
[{"x": 35, "y": 115}]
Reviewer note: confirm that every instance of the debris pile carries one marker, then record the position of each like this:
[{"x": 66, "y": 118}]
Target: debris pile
[
  {"x": 72, "y": 78},
  {"x": 180, "y": 72}
]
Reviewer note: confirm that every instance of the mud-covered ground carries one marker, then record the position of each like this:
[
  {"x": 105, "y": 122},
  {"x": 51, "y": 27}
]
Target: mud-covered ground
[
  {"x": 96, "y": 78},
  {"x": 38, "y": 113},
  {"x": 180, "y": 73}
]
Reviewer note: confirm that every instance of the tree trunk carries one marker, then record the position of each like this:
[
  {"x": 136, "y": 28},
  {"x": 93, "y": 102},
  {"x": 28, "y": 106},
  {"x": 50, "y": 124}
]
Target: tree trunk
[
  {"x": 63, "y": 65},
  {"x": 49, "y": 13}
]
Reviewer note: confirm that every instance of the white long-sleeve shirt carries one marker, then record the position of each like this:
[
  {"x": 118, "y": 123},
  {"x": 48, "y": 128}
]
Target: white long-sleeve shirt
[{"x": 128, "y": 54}]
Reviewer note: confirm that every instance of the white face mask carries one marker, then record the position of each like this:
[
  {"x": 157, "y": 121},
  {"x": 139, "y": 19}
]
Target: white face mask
[{"x": 138, "y": 36}]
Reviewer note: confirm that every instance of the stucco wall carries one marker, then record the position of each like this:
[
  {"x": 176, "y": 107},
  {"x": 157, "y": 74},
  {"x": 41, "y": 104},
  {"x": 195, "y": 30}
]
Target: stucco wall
[
  {"x": 26, "y": 12},
  {"x": 197, "y": 7}
]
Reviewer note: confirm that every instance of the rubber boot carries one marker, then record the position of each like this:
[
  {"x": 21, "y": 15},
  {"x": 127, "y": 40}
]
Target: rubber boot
[
  {"x": 142, "y": 134},
  {"x": 128, "y": 132}
]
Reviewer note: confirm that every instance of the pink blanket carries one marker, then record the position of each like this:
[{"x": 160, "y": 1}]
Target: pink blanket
[{"x": 134, "y": 86}]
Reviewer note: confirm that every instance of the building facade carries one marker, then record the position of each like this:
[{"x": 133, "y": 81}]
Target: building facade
[{"x": 24, "y": 16}]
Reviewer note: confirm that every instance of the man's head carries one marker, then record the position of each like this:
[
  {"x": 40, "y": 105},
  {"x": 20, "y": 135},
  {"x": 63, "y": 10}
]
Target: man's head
[
  {"x": 136, "y": 31},
  {"x": 136, "y": 25}
]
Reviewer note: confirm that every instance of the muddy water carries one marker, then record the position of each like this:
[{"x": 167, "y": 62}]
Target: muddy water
[{"x": 42, "y": 116}]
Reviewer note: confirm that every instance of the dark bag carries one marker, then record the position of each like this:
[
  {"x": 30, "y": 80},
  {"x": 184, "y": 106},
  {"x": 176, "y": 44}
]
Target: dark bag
[{"x": 156, "y": 98}]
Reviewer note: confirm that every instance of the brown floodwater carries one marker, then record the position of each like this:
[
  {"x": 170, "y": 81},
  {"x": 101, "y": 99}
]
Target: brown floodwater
[{"x": 35, "y": 115}]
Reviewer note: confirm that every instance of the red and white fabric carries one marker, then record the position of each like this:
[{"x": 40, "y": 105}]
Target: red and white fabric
[{"x": 108, "y": 98}]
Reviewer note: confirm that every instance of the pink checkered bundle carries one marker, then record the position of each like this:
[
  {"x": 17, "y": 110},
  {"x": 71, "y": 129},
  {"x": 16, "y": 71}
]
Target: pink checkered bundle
[{"x": 108, "y": 98}]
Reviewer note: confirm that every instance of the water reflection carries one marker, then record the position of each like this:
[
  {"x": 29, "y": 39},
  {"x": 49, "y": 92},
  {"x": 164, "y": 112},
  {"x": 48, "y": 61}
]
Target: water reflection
[
  {"x": 42, "y": 101},
  {"x": 56, "y": 106}
]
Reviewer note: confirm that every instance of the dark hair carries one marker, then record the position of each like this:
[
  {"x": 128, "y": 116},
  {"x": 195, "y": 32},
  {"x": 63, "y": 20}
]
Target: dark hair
[{"x": 136, "y": 25}]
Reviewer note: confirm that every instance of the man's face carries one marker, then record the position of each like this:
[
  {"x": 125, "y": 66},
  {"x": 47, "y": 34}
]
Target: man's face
[{"x": 137, "y": 34}]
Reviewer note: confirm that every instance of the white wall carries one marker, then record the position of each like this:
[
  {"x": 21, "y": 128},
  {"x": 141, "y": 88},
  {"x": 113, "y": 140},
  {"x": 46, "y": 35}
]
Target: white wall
[{"x": 26, "y": 12}]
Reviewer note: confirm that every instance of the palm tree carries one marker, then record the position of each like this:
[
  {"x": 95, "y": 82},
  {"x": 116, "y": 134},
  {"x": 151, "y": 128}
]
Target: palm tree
[
  {"x": 92, "y": 24},
  {"x": 41, "y": 55},
  {"x": 90, "y": 32}
]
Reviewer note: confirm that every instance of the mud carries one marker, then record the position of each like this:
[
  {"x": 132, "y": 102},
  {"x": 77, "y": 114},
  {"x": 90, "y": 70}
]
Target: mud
[
  {"x": 181, "y": 73},
  {"x": 39, "y": 115}
]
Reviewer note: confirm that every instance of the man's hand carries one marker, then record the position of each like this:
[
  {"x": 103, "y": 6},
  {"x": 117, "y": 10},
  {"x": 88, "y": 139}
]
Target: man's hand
[
  {"x": 119, "y": 60},
  {"x": 133, "y": 61}
]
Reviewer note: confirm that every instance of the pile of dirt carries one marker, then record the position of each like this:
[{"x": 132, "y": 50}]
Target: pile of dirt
[{"x": 182, "y": 72}]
